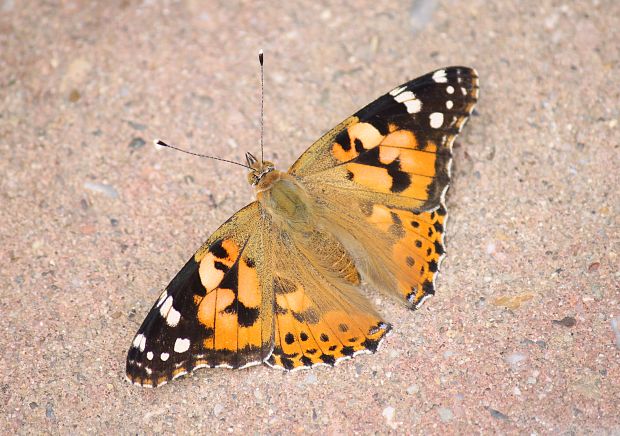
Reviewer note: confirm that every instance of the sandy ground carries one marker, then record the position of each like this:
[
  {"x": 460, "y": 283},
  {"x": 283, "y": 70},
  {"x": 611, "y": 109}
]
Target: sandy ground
[{"x": 523, "y": 335}]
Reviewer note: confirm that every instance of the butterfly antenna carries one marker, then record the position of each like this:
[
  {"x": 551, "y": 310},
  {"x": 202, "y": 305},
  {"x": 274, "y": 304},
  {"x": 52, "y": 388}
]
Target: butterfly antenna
[
  {"x": 262, "y": 103},
  {"x": 160, "y": 143}
]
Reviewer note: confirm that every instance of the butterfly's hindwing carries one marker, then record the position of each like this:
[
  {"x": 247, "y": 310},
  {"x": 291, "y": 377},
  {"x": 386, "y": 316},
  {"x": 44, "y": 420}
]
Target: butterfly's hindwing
[
  {"x": 416, "y": 249},
  {"x": 320, "y": 318}
]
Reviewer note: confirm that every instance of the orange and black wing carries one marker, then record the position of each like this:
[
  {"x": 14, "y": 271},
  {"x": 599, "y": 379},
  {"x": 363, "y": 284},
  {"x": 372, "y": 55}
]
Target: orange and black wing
[
  {"x": 214, "y": 313},
  {"x": 389, "y": 165}
]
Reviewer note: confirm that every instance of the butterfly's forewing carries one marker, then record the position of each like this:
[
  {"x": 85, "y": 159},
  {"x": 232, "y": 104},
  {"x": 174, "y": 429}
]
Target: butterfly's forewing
[
  {"x": 215, "y": 312},
  {"x": 384, "y": 171},
  {"x": 399, "y": 146}
]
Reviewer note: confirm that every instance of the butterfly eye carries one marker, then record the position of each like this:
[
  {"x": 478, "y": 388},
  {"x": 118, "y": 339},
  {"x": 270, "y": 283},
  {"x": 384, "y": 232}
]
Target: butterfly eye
[{"x": 253, "y": 178}]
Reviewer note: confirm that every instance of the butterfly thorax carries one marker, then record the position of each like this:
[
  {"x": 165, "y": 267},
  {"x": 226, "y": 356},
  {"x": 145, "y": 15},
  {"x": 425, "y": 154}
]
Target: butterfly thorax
[{"x": 285, "y": 199}]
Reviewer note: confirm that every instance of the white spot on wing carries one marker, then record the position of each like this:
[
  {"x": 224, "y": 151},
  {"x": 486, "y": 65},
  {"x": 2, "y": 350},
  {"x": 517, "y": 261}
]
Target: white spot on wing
[
  {"x": 181, "y": 345},
  {"x": 173, "y": 317},
  {"x": 162, "y": 297},
  {"x": 404, "y": 96},
  {"x": 413, "y": 106},
  {"x": 436, "y": 120},
  {"x": 439, "y": 76},
  {"x": 449, "y": 104},
  {"x": 137, "y": 340},
  {"x": 409, "y": 99},
  {"x": 450, "y": 89},
  {"x": 149, "y": 355},
  {"x": 165, "y": 307},
  {"x": 164, "y": 356},
  {"x": 394, "y": 92}
]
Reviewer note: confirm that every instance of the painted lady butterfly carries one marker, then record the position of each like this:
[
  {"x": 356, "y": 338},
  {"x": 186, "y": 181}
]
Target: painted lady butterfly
[{"x": 277, "y": 283}]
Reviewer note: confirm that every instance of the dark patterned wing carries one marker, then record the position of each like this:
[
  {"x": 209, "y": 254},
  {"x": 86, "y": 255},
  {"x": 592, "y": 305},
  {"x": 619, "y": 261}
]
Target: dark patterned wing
[
  {"x": 398, "y": 148},
  {"x": 382, "y": 175},
  {"x": 216, "y": 312}
]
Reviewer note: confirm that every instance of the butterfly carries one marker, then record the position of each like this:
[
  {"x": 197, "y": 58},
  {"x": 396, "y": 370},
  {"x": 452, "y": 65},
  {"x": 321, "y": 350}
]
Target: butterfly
[{"x": 278, "y": 282}]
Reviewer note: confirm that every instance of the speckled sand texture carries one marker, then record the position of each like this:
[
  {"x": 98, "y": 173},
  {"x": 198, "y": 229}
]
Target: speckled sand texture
[{"x": 523, "y": 335}]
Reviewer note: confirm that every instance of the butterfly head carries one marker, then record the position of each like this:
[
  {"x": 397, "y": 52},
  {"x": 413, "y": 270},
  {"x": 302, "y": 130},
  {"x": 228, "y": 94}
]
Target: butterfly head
[{"x": 258, "y": 169}]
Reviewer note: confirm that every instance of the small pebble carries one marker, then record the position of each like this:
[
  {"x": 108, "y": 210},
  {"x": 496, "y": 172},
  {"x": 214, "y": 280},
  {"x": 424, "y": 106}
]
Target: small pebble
[
  {"x": 413, "y": 389},
  {"x": 136, "y": 126},
  {"x": 74, "y": 95},
  {"x": 515, "y": 358},
  {"x": 101, "y": 188},
  {"x": 311, "y": 378},
  {"x": 232, "y": 143},
  {"x": 597, "y": 292},
  {"x": 445, "y": 414},
  {"x": 512, "y": 302},
  {"x": 217, "y": 409},
  {"x": 421, "y": 13},
  {"x": 567, "y": 321},
  {"x": 615, "y": 327},
  {"x": 498, "y": 415},
  {"x": 7, "y": 5},
  {"x": 388, "y": 414},
  {"x": 49, "y": 411},
  {"x": 137, "y": 143}
]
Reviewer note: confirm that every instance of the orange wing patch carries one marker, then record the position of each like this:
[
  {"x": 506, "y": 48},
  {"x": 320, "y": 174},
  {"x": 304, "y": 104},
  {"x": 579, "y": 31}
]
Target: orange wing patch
[
  {"x": 230, "y": 310},
  {"x": 394, "y": 163},
  {"x": 418, "y": 248}
]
